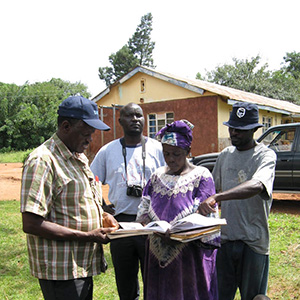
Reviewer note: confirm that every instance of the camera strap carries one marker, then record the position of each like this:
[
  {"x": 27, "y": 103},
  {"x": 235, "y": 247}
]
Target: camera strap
[{"x": 122, "y": 140}]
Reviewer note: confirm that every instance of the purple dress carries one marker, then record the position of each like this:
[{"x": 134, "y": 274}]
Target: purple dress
[{"x": 178, "y": 270}]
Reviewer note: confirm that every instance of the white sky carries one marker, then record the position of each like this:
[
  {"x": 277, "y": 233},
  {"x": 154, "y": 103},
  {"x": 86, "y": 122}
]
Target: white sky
[{"x": 71, "y": 39}]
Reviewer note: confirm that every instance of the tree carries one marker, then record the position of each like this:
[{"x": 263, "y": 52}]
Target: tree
[
  {"x": 138, "y": 51},
  {"x": 292, "y": 61},
  {"x": 251, "y": 76},
  {"x": 140, "y": 44},
  {"x": 28, "y": 113},
  {"x": 122, "y": 61},
  {"x": 245, "y": 75}
]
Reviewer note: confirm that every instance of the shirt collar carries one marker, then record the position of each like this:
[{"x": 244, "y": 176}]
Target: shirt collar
[{"x": 65, "y": 152}]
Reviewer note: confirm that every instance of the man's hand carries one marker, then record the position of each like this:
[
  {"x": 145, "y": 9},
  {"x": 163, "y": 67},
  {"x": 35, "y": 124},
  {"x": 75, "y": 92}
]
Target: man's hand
[
  {"x": 207, "y": 206},
  {"x": 100, "y": 235},
  {"x": 244, "y": 191},
  {"x": 37, "y": 225},
  {"x": 109, "y": 221}
]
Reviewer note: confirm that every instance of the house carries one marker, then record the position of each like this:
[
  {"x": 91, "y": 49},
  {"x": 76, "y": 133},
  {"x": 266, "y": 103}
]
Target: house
[{"x": 165, "y": 97}]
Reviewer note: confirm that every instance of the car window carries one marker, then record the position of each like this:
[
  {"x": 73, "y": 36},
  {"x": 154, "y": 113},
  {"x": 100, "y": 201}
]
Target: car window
[{"x": 280, "y": 140}]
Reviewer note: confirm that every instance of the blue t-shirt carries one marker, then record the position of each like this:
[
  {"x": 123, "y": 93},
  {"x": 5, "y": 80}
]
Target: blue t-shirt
[{"x": 109, "y": 166}]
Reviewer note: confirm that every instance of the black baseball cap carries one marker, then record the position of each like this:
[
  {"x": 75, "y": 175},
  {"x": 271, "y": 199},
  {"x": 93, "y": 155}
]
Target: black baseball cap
[
  {"x": 244, "y": 116},
  {"x": 78, "y": 107}
]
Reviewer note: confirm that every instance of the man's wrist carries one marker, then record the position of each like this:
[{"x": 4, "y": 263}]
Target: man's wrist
[{"x": 217, "y": 197}]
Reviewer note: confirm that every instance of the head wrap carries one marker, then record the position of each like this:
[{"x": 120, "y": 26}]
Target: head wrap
[{"x": 178, "y": 133}]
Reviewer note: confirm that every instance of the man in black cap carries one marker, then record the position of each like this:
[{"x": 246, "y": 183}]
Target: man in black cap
[
  {"x": 61, "y": 206},
  {"x": 244, "y": 175}
]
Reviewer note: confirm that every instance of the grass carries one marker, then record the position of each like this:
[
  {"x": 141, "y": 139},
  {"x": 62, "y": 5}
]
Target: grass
[
  {"x": 285, "y": 257},
  {"x": 14, "y": 156},
  {"x": 16, "y": 283}
]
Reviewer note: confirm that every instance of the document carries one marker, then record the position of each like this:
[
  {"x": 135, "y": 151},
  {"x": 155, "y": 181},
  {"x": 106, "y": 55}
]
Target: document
[{"x": 192, "y": 226}]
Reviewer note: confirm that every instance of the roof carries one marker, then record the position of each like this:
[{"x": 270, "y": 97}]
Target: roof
[{"x": 200, "y": 86}]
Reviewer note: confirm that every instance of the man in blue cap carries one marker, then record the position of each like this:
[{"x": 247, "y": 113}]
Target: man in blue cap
[
  {"x": 61, "y": 206},
  {"x": 244, "y": 175}
]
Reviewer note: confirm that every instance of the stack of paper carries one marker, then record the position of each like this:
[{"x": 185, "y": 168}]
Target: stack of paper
[{"x": 189, "y": 228}]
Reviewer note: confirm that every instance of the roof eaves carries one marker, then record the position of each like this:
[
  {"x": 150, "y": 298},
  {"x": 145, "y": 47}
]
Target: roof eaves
[
  {"x": 172, "y": 80},
  {"x": 101, "y": 95},
  {"x": 130, "y": 74},
  {"x": 263, "y": 107}
]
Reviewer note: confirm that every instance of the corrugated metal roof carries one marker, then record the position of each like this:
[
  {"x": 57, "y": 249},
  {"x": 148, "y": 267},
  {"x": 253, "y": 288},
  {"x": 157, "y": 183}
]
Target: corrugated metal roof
[
  {"x": 238, "y": 95},
  {"x": 231, "y": 94}
]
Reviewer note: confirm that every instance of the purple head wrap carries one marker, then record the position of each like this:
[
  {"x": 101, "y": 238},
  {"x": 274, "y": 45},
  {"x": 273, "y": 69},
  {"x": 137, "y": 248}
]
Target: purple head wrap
[{"x": 178, "y": 133}]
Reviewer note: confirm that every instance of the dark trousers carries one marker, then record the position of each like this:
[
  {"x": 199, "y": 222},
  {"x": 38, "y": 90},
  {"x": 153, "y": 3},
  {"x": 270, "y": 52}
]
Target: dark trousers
[
  {"x": 238, "y": 266},
  {"x": 75, "y": 289},
  {"x": 127, "y": 254}
]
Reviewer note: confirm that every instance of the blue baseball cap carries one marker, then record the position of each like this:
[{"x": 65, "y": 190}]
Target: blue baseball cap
[
  {"x": 78, "y": 107},
  {"x": 244, "y": 116}
]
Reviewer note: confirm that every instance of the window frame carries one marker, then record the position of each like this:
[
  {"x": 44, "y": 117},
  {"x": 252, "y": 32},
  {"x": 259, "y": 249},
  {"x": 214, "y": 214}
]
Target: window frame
[{"x": 160, "y": 119}]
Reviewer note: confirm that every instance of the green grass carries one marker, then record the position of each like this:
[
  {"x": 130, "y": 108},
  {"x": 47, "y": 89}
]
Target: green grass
[
  {"x": 17, "y": 283},
  {"x": 14, "y": 156},
  {"x": 284, "y": 282}
]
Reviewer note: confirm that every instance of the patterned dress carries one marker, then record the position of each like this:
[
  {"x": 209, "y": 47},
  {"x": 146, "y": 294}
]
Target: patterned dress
[{"x": 177, "y": 270}]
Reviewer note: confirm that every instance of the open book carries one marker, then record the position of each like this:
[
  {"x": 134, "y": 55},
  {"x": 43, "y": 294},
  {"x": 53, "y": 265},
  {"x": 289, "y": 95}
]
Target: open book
[{"x": 192, "y": 226}]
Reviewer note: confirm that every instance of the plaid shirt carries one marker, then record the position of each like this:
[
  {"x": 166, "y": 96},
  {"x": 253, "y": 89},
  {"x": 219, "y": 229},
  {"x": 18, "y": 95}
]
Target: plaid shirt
[{"x": 60, "y": 187}]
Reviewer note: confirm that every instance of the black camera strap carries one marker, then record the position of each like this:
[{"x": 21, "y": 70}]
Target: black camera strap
[{"x": 122, "y": 140}]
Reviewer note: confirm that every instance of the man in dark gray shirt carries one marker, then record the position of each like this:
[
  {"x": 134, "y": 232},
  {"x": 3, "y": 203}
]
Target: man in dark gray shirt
[{"x": 244, "y": 175}]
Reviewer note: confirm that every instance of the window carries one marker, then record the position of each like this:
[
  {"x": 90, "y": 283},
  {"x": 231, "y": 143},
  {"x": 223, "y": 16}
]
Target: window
[
  {"x": 143, "y": 85},
  {"x": 267, "y": 122},
  {"x": 280, "y": 140},
  {"x": 158, "y": 121}
]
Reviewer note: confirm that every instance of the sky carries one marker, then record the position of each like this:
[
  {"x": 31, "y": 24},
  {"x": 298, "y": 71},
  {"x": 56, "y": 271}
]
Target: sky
[{"x": 71, "y": 39}]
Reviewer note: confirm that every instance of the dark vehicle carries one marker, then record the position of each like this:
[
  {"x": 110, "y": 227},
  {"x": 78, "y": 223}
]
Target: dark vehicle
[{"x": 285, "y": 141}]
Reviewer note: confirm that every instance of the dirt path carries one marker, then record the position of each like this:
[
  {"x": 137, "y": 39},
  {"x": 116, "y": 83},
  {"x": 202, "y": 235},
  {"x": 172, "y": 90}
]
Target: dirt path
[
  {"x": 10, "y": 181},
  {"x": 10, "y": 186}
]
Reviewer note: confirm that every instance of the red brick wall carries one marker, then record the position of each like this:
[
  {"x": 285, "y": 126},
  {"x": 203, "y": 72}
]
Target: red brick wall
[{"x": 201, "y": 111}]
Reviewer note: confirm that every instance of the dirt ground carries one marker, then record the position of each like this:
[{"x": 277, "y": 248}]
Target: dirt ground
[
  {"x": 10, "y": 181},
  {"x": 10, "y": 186}
]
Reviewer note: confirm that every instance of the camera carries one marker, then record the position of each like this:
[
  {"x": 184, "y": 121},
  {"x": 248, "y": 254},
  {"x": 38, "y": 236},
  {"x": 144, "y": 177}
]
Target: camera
[{"x": 134, "y": 190}]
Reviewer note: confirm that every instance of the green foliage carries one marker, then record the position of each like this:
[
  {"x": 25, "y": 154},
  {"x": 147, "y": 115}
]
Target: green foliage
[
  {"x": 138, "y": 51},
  {"x": 28, "y": 113},
  {"x": 122, "y": 61},
  {"x": 140, "y": 44},
  {"x": 292, "y": 64},
  {"x": 251, "y": 76}
]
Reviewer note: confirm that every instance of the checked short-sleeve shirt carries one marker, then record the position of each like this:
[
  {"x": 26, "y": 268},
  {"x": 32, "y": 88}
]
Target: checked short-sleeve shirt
[{"x": 59, "y": 186}]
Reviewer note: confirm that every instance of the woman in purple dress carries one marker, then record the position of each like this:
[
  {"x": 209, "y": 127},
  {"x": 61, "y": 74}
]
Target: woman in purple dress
[{"x": 175, "y": 270}]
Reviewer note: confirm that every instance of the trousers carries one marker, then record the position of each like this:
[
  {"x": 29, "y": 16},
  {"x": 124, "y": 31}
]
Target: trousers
[
  {"x": 238, "y": 266},
  {"x": 75, "y": 289},
  {"x": 127, "y": 255}
]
